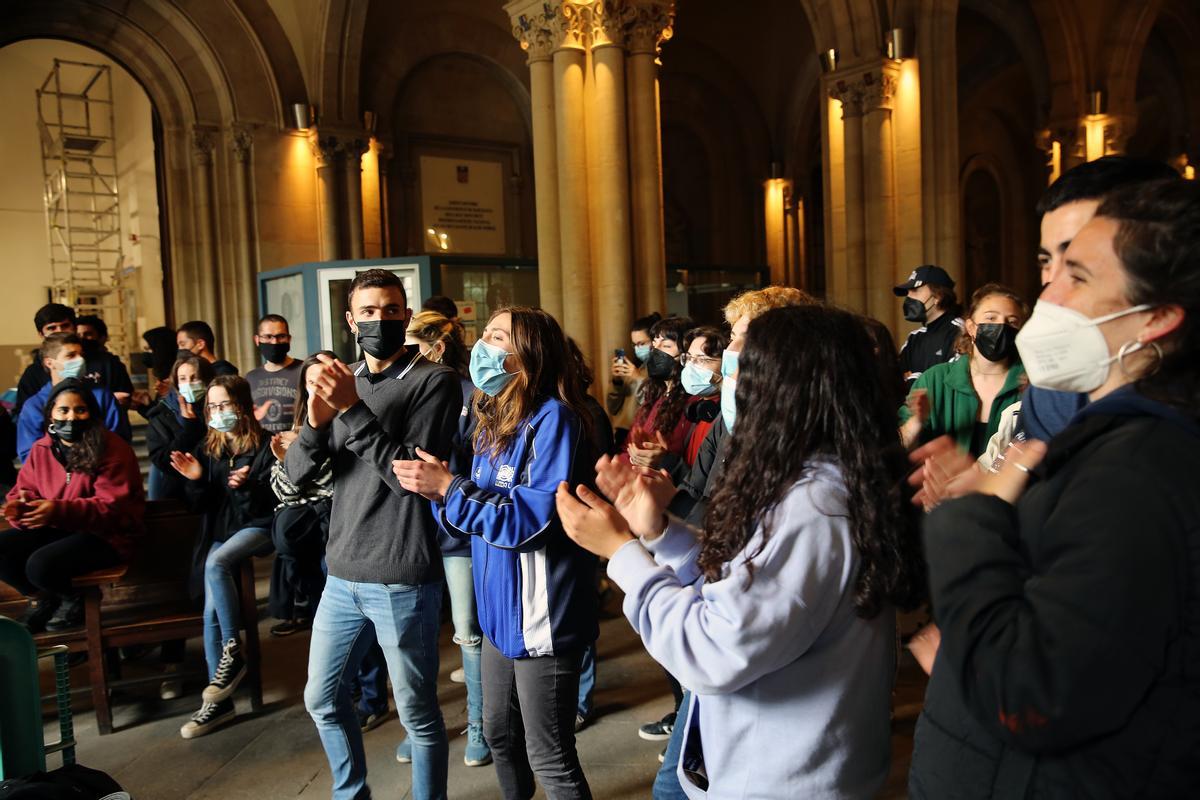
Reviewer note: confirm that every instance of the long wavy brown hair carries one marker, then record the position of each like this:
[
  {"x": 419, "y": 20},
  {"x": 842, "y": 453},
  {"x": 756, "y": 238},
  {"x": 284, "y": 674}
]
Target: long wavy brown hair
[
  {"x": 545, "y": 370},
  {"x": 809, "y": 389},
  {"x": 248, "y": 435}
]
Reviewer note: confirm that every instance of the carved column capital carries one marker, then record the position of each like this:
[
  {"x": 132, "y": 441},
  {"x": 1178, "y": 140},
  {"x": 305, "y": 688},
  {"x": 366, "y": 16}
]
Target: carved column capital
[
  {"x": 851, "y": 95},
  {"x": 241, "y": 139},
  {"x": 570, "y": 25},
  {"x": 879, "y": 90},
  {"x": 865, "y": 90},
  {"x": 650, "y": 23},
  {"x": 203, "y": 141},
  {"x": 531, "y": 23},
  {"x": 608, "y": 21}
]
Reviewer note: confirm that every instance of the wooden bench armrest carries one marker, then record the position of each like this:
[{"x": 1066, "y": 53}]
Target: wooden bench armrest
[{"x": 100, "y": 577}]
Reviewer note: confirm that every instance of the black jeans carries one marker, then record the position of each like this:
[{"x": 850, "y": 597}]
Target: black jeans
[
  {"x": 46, "y": 559},
  {"x": 529, "y": 723}
]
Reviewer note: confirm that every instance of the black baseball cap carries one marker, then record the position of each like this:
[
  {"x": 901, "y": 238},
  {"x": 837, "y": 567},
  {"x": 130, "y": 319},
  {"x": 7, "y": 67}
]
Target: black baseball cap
[{"x": 927, "y": 274}]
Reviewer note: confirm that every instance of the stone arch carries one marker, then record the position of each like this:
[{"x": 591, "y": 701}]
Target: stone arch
[
  {"x": 986, "y": 251},
  {"x": 853, "y": 27},
  {"x": 339, "y": 62}
]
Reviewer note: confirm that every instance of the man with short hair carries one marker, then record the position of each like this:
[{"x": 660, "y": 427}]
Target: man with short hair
[
  {"x": 273, "y": 385},
  {"x": 929, "y": 299},
  {"x": 62, "y": 358},
  {"x": 104, "y": 368},
  {"x": 50, "y": 319},
  {"x": 196, "y": 338},
  {"x": 385, "y": 567}
]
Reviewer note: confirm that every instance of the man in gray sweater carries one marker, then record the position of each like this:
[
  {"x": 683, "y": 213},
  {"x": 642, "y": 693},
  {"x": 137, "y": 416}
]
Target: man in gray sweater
[{"x": 385, "y": 568}]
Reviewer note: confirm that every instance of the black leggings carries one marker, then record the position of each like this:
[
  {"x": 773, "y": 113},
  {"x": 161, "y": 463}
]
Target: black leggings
[{"x": 46, "y": 559}]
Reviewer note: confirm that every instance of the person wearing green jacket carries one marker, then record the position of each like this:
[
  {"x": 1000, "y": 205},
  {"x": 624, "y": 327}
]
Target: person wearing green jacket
[{"x": 964, "y": 398}]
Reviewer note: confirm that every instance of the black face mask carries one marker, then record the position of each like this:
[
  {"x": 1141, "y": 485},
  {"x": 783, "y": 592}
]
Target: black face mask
[
  {"x": 147, "y": 360},
  {"x": 995, "y": 341},
  {"x": 276, "y": 353},
  {"x": 70, "y": 430},
  {"x": 660, "y": 366},
  {"x": 382, "y": 338},
  {"x": 91, "y": 348},
  {"x": 914, "y": 310},
  {"x": 182, "y": 353}
]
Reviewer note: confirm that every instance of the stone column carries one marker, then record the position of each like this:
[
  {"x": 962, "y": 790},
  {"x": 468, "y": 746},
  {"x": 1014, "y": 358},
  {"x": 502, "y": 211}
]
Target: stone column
[
  {"x": 325, "y": 151},
  {"x": 649, "y": 26},
  {"x": 203, "y": 140},
  {"x": 242, "y": 308},
  {"x": 570, "y": 67},
  {"x": 608, "y": 181},
  {"x": 879, "y": 89},
  {"x": 383, "y": 155},
  {"x": 850, "y": 92},
  {"x": 352, "y": 151}
]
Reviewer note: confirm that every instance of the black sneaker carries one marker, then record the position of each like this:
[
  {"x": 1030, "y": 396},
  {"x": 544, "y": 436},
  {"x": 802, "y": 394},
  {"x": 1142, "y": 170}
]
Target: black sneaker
[
  {"x": 230, "y": 672},
  {"x": 210, "y": 717},
  {"x": 39, "y": 613},
  {"x": 68, "y": 616},
  {"x": 658, "y": 731},
  {"x": 290, "y": 626}
]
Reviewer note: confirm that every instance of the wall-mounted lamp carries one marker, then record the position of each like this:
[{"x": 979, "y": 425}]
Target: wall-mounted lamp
[
  {"x": 302, "y": 116},
  {"x": 1097, "y": 102},
  {"x": 776, "y": 170},
  {"x": 895, "y": 44},
  {"x": 829, "y": 60},
  {"x": 369, "y": 122}
]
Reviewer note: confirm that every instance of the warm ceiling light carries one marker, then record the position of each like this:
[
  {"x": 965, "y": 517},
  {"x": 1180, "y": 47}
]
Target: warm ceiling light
[{"x": 302, "y": 116}]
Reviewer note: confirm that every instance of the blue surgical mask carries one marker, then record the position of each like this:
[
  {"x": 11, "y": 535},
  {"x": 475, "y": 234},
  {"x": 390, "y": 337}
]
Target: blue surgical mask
[
  {"x": 729, "y": 364},
  {"x": 191, "y": 392},
  {"x": 728, "y": 403},
  {"x": 697, "y": 380},
  {"x": 72, "y": 367},
  {"x": 487, "y": 368},
  {"x": 223, "y": 421},
  {"x": 642, "y": 351}
]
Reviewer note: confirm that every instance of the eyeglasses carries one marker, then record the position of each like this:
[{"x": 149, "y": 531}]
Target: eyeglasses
[
  {"x": 272, "y": 338},
  {"x": 227, "y": 405},
  {"x": 689, "y": 358}
]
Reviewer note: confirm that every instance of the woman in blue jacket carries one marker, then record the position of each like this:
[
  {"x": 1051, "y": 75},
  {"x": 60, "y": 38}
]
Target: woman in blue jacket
[
  {"x": 779, "y": 614},
  {"x": 535, "y": 589}
]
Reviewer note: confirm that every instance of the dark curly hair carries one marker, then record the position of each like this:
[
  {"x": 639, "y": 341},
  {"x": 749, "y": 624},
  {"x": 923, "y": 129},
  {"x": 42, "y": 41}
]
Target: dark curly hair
[
  {"x": 84, "y": 455},
  {"x": 676, "y": 399},
  {"x": 809, "y": 386}
]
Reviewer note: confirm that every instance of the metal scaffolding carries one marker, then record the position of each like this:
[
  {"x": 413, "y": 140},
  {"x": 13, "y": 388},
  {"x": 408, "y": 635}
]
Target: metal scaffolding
[{"x": 79, "y": 170}]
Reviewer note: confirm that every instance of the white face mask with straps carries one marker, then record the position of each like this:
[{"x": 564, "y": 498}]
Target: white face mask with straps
[{"x": 1065, "y": 350}]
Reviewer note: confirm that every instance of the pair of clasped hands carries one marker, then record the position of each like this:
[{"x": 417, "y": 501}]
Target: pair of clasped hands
[
  {"x": 639, "y": 496},
  {"x": 944, "y": 472},
  {"x": 28, "y": 514}
]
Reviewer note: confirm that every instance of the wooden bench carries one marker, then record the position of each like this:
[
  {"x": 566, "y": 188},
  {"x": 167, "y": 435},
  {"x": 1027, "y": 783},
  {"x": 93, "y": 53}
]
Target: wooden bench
[{"x": 147, "y": 602}]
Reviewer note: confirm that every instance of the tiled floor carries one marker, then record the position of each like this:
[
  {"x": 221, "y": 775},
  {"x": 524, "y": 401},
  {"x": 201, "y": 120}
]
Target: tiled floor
[{"x": 276, "y": 753}]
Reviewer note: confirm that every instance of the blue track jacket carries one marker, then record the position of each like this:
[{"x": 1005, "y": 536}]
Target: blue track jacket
[{"x": 534, "y": 587}]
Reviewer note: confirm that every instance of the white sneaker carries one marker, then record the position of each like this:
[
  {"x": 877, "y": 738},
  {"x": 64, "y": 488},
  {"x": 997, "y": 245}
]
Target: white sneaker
[
  {"x": 210, "y": 717},
  {"x": 458, "y": 676},
  {"x": 170, "y": 689}
]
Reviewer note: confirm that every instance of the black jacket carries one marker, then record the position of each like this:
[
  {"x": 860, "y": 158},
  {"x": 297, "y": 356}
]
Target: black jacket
[
  {"x": 1070, "y": 655},
  {"x": 929, "y": 345},
  {"x": 691, "y": 501},
  {"x": 164, "y": 434}
]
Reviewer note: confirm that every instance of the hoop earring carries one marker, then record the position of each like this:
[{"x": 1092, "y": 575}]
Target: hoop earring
[{"x": 1129, "y": 348}]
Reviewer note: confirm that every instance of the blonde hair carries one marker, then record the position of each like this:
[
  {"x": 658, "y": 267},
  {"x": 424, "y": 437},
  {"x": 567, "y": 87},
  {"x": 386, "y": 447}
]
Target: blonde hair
[
  {"x": 429, "y": 327},
  {"x": 759, "y": 301}
]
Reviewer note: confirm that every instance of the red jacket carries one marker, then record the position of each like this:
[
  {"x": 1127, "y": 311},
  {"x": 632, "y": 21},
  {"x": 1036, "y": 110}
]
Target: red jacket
[{"x": 110, "y": 504}]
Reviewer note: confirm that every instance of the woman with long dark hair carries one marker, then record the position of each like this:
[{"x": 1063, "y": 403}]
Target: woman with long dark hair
[
  {"x": 1067, "y": 585},
  {"x": 660, "y": 430},
  {"x": 77, "y": 506},
  {"x": 778, "y": 615},
  {"x": 228, "y": 480},
  {"x": 536, "y": 590}
]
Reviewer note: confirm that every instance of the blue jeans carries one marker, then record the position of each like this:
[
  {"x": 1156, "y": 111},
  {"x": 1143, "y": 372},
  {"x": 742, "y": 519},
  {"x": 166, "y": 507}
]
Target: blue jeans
[
  {"x": 587, "y": 681},
  {"x": 666, "y": 783},
  {"x": 222, "y": 615},
  {"x": 406, "y": 621},
  {"x": 466, "y": 629},
  {"x": 372, "y": 678},
  {"x": 156, "y": 485}
]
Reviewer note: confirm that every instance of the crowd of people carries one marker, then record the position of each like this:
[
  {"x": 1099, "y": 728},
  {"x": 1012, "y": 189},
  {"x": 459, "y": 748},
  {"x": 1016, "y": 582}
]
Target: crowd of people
[{"x": 767, "y": 491}]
